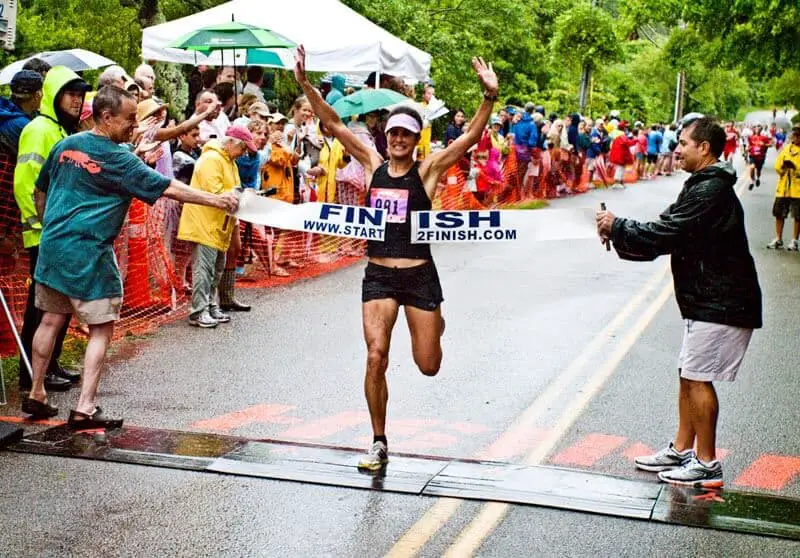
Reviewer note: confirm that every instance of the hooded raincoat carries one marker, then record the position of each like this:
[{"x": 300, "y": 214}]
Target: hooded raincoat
[{"x": 35, "y": 144}]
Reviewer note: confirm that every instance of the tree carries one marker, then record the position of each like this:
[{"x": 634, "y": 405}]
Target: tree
[{"x": 586, "y": 35}]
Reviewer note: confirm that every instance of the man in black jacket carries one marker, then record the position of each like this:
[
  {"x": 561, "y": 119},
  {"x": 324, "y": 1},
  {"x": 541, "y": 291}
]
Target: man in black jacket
[{"x": 717, "y": 290}]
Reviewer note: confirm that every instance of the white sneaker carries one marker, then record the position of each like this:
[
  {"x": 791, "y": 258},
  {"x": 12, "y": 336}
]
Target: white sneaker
[
  {"x": 665, "y": 460},
  {"x": 695, "y": 473},
  {"x": 793, "y": 246},
  {"x": 776, "y": 244},
  {"x": 218, "y": 315},
  {"x": 203, "y": 320},
  {"x": 375, "y": 458}
]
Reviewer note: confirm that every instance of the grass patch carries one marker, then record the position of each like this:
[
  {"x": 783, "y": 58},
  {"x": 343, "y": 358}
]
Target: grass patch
[
  {"x": 71, "y": 358},
  {"x": 532, "y": 204}
]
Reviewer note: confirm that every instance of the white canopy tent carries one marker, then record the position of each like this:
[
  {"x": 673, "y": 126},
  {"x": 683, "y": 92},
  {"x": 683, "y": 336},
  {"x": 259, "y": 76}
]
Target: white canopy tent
[{"x": 336, "y": 38}]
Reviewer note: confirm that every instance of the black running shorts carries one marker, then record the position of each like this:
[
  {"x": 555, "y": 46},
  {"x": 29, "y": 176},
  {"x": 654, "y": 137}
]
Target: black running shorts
[
  {"x": 757, "y": 162},
  {"x": 412, "y": 286}
]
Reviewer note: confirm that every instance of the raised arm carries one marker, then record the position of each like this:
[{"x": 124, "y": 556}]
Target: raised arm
[
  {"x": 166, "y": 134},
  {"x": 435, "y": 165},
  {"x": 369, "y": 158}
]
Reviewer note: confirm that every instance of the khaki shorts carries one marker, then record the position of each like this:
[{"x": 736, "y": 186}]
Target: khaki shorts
[
  {"x": 712, "y": 352},
  {"x": 91, "y": 312}
]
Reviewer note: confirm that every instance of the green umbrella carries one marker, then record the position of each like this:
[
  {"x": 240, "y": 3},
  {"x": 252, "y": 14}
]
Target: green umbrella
[
  {"x": 229, "y": 36},
  {"x": 233, "y": 36},
  {"x": 367, "y": 100}
]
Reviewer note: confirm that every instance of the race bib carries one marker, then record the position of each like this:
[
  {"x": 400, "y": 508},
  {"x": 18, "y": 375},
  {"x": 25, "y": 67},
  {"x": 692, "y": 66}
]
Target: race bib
[{"x": 393, "y": 201}]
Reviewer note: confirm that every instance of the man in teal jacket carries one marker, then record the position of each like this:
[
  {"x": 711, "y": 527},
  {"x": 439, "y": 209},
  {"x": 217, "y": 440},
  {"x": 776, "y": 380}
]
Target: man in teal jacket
[{"x": 62, "y": 100}]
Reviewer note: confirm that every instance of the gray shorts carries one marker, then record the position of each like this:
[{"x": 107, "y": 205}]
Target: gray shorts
[{"x": 712, "y": 352}]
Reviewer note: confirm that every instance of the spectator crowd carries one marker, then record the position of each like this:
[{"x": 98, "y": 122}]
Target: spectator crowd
[{"x": 230, "y": 137}]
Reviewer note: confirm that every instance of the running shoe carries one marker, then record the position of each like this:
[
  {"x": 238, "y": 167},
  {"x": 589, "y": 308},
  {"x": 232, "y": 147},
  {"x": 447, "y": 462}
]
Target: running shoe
[
  {"x": 665, "y": 460},
  {"x": 218, "y": 315},
  {"x": 203, "y": 320},
  {"x": 375, "y": 458},
  {"x": 758, "y": 182},
  {"x": 695, "y": 473},
  {"x": 793, "y": 246},
  {"x": 776, "y": 244}
]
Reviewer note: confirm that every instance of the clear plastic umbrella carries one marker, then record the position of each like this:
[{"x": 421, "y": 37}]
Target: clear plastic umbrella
[{"x": 76, "y": 59}]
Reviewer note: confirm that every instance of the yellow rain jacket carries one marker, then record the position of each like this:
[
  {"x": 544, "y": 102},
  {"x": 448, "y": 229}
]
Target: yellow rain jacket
[
  {"x": 331, "y": 158},
  {"x": 214, "y": 172},
  {"x": 789, "y": 179}
]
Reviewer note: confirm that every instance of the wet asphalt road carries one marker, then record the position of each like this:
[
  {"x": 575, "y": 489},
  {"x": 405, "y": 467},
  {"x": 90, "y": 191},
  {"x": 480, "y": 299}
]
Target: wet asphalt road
[{"x": 528, "y": 325}]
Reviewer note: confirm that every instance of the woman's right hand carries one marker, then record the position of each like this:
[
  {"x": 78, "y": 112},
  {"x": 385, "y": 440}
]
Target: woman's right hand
[{"x": 300, "y": 64}]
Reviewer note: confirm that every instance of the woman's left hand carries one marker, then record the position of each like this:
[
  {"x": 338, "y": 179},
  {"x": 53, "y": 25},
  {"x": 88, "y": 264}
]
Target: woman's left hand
[{"x": 486, "y": 75}]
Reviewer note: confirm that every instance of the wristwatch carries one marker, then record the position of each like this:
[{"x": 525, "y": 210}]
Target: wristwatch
[{"x": 489, "y": 97}]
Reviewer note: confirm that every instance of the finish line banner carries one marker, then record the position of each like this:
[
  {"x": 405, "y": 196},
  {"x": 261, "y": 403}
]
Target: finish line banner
[
  {"x": 347, "y": 221},
  {"x": 436, "y": 227}
]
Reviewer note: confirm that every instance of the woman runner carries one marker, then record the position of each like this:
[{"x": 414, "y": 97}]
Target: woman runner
[{"x": 398, "y": 272}]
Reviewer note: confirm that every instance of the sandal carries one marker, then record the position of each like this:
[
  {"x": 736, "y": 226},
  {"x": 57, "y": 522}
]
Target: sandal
[
  {"x": 38, "y": 410},
  {"x": 280, "y": 272},
  {"x": 95, "y": 420}
]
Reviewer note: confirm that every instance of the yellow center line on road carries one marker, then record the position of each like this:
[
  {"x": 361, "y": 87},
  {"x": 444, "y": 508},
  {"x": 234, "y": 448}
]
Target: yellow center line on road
[
  {"x": 491, "y": 514},
  {"x": 440, "y": 513}
]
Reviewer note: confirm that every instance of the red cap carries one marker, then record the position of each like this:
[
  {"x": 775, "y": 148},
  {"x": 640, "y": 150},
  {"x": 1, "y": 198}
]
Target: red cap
[{"x": 242, "y": 133}]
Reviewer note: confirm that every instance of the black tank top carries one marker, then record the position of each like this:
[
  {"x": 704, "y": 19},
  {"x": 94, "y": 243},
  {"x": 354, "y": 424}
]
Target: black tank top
[{"x": 399, "y": 196}]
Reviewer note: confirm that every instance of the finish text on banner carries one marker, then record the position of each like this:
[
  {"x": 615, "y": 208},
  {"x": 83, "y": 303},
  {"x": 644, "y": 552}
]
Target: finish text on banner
[
  {"x": 502, "y": 225},
  {"x": 323, "y": 218}
]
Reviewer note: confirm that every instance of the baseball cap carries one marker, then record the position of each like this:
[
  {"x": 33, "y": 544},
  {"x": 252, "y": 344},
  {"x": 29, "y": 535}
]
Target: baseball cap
[
  {"x": 129, "y": 84},
  {"x": 277, "y": 117},
  {"x": 26, "y": 81},
  {"x": 86, "y": 110},
  {"x": 77, "y": 85},
  {"x": 495, "y": 120},
  {"x": 242, "y": 133},
  {"x": 259, "y": 108}
]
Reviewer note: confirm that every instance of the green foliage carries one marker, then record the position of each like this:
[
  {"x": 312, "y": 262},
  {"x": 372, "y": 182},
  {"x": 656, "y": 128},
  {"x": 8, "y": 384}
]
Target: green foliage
[
  {"x": 103, "y": 26},
  {"x": 785, "y": 89},
  {"x": 537, "y": 48},
  {"x": 586, "y": 35},
  {"x": 760, "y": 37}
]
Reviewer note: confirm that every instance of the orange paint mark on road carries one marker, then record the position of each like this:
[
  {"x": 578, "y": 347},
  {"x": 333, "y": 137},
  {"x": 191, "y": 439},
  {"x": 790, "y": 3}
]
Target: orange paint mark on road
[
  {"x": 268, "y": 413},
  {"x": 770, "y": 472},
  {"x": 22, "y": 420},
  {"x": 589, "y": 450},
  {"x": 722, "y": 453},
  {"x": 637, "y": 450},
  {"x": 326, "y": 426},
  {"x": 513, "y": 443}
]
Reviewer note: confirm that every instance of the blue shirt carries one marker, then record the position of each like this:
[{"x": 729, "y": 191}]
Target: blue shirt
[
  {"x": 90, "y": 182},
  {"x": 669, "y": 136},
  {"x": 525, "y": 132},
  {"x": 654, "y": 141}
]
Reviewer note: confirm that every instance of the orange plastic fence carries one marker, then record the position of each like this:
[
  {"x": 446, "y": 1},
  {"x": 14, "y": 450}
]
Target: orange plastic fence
[{"x": 156, "y": 267}]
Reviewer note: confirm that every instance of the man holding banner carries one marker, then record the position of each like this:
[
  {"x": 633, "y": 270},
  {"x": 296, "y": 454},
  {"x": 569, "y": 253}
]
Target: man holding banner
[
  {"x": 399, "y": 272},
  {"x": 717, "y": 289}
]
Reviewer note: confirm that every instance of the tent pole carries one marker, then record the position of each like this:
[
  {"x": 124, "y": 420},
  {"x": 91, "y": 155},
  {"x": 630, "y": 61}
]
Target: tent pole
[{"x": 235, "y": 83}]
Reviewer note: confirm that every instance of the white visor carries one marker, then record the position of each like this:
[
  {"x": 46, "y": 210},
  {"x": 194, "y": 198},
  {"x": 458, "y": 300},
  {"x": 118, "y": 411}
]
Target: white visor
[{"x": 405, "y": 121}]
